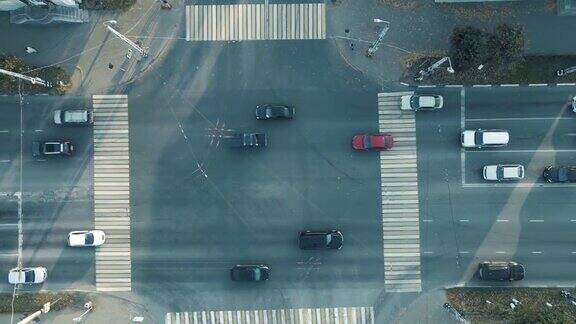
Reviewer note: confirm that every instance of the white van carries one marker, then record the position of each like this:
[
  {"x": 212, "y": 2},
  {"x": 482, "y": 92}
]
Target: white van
[
  {"x": 73, "y": 117},
  {"x": 484, "y": 138}
]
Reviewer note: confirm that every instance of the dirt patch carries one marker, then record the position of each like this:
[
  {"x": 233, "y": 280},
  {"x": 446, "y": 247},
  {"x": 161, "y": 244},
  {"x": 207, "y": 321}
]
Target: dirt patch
[
  {"x": 531, "y": 69},
  {"x": 493, "y": 304},
  {"x": 25, "y": 303},
  {"x": 402, "y": 4}
]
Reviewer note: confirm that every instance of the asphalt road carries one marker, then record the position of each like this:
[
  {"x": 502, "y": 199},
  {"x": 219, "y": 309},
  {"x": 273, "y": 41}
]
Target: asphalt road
[
  {"x": 200, "y": 207},
  {"x": 465, "y": 219},
  {"x": 56, "y": 197}
]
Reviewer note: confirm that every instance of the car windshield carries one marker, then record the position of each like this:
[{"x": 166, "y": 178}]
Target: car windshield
[
  {"x": 257, "y": 274},
  {"x": 269, "y": 112},
  {"x": 29, "y": 276},
  {"x": 414, "y": 101},
  {"x": 478, "y": 137},
  {"x": 367, "y": 142},
  {"x": 499, "y": 172},
  {"x": 89, "y": 238},
  {"x": 328, "y": 239}
]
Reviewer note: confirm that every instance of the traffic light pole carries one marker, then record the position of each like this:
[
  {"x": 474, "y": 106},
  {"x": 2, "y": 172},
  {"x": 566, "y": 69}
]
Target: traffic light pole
[{"x": 135, "y": 46}]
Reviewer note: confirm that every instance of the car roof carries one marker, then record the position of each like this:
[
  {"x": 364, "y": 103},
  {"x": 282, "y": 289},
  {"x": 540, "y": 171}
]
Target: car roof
[
  {"x": 495, "y": 136},
  {"x": 426, "y": 101}
]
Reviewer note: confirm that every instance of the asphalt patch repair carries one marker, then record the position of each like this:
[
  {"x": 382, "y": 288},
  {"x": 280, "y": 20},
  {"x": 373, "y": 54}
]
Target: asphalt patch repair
[{"x": 534, "y": 305}]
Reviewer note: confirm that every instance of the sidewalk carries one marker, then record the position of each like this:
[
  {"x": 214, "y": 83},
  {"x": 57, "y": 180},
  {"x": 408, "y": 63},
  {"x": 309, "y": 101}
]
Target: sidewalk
[
  {"x": 87, "y": 50},
  {"x": 423, "y": 27}
]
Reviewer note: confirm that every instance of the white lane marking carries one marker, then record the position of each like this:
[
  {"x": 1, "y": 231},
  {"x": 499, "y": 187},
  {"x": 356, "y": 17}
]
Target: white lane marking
[
  {"x": 536, "y": 221},
  {"x": 536, "y": 252},
  {"x": 4, "y": 161},
  {"x": 8, "y": 255},
  {"x": 454, "y": 86},
  {"x": 464, "y": 252},
  {"x": 462, "y": 128},
  {"x": 426, "y": 86},
  {"x": 40, "y": 160},
  {"x": 8, "y": 225},
  {"x": 481, "y": 86},
  {"x": 427, "y": 220},
  {"x": 500, "y": 252},
  {"x": 4, "y": 131},
  {"x": 518, "y": 119},
  {"x": 502, "y": 221},
  {"x": 522, "y": 151},
  {"x": 38, "y": 130},
  {"x": 510, "y": 85},
  {"x": 464, "y": 220},
  {"x": 519, "y": 185},
  {"x": 538, "y": 85},
  {"x": 427, "y": 252},
  {"x": 573, "y": 220},
  {"x": 566, "y": 84}
]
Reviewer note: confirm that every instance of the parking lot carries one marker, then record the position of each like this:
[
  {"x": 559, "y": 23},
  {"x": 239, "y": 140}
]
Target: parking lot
[
  {"x": 56, "y": 194},
  {"x": 468, "y": 219}
]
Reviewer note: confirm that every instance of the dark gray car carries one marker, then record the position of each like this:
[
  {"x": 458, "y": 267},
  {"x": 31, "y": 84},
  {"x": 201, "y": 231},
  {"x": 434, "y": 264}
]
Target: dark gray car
[
  {"x": 274, "y": 112},
  {"x": 250, "y": 272},
  {"x": 320, "y": 240},
  {"x": 501, "y": 271}
]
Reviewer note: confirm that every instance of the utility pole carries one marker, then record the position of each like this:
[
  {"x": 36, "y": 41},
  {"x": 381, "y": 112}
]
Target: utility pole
[
  {"x": 32, "y": 317},
  {"x": 376, "y": 44},
  {"x": 27, "y": 78},
  {"x": 569, "y": 70},
  {"x": 433, "y": 67},
  {"x": 135, "y": 46}
]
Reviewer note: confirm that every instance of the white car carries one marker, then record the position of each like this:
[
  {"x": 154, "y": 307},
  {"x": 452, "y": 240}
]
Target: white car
[
  {"x": 86, "y": 238},
  {"x": 73, "y": 117},
  {"x": 424, "y": 102},
  {"x": 503, "y": 172},
  {"x": 27, "y": 275},
  {"x": 484, "y": 138}
]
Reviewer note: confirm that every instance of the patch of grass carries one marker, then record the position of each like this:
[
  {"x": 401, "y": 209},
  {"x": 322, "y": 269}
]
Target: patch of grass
[
  {"x": 530, "y": 69},
  {"x": 29, "y": 303},
  {"x": 472, "y": 302},
  {"x": 59, "y": 78},
  {"x": 107, "y": 4}
]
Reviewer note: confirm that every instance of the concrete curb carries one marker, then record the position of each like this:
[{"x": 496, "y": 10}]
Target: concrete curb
[{"x": 505, "y": 85}]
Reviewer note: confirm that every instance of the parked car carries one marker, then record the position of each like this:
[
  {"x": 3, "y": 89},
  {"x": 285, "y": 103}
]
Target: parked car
[
  {"x": 52, "y": 148},
  {"x": 372, "y": 141},
  {"x": 560, "y": 173},
  {"x": 73, "y": 117},
  {"x": 501, "y": 172},
  {"x": 27, "y": 275},
  {"x": 422, "y": 102},
  {"x": 484, "y": 138},
  {"x": 248, "y": 140},
  {"x": 320, "y": 240},
  {"x": 495, "y": 270},
  {"x": 86, "y": 238},
  {"x": 244, "y": 272},
  {"x": 274, "y": 112}
]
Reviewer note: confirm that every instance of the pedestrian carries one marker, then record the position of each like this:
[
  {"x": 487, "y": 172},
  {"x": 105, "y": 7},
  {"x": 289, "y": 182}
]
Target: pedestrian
[
  {"x": 352, "y": 46},
  {"x": 30, "y": 50},
  {"x": 110, "y": 66}
]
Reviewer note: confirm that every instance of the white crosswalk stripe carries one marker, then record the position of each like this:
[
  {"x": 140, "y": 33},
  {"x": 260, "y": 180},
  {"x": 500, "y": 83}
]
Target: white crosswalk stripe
[
  {"x": 400, "y": 210},
  {"x": 241, "y": 22},
  {"x": 338, "y": 315},
  {"x": 112, "y": 191}
]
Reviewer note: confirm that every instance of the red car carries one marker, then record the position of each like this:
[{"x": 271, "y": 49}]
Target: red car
[{"x": 372, "y": 141}]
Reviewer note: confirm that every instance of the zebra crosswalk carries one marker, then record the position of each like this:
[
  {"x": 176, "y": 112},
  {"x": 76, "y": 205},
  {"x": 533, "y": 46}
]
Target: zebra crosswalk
[
  {"x": 240, "y": 22},
  {"x": 400, "y": 211},
  {"x": 112, "y": 191},
  {"x": 337, "y": 315}
]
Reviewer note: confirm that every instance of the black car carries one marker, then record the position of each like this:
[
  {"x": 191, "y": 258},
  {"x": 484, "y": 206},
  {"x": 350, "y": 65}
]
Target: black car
[
  {"x": 274, "y": 112},
  {"x": 320, "y": 240},
  {"x": 243, "y": 272},
  {"x": 560, "y": 173},
  {"x": 500, "y": 271},
  {"x": 52, "y": 148}
]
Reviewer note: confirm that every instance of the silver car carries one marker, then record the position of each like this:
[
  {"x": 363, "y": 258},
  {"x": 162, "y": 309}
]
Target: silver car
[{"x": 502, "y": 172}]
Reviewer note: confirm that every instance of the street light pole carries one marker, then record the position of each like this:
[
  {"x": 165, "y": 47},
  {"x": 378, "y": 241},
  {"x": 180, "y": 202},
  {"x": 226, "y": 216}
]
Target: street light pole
[
  {"x": 376, "y": 44},
  {"x": 27, "y": 78},
  {"x": 135, "y": 46}
]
